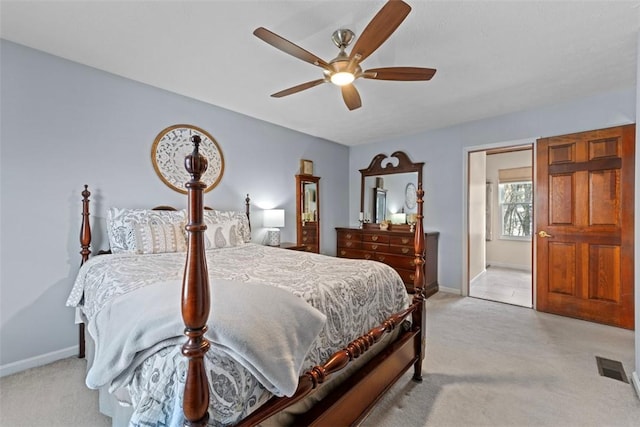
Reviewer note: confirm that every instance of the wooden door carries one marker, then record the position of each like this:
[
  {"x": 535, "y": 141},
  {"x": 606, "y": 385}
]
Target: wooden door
[{"x": 584, "y": 225}]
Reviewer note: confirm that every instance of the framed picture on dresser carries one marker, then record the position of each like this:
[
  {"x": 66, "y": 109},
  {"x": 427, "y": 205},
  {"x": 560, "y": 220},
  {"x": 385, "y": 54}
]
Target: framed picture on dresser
[{"x": 306, "y": 167}]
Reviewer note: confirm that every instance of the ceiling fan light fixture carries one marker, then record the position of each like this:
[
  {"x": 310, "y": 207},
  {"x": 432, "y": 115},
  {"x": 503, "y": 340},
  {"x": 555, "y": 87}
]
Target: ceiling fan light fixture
[{"x": 342, "y": 78}]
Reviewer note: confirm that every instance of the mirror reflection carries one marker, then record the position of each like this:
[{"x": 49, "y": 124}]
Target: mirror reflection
[
  {"x": 309, "y": 201},
  {"x": 393, "y": 192}
]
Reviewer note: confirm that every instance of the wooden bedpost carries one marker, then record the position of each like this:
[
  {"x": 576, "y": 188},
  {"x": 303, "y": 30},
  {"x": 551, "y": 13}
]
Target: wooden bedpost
[
  {"x": 247, "y": 209},
  {"x": 419, "y": 316},
  {"x": 85, "y": 243},
  {"x": 195, "y": 295}
]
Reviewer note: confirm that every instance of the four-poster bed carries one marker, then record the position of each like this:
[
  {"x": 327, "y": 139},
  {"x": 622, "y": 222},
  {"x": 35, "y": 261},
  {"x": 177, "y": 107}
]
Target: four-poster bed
[{"x": 375, "y": 358}]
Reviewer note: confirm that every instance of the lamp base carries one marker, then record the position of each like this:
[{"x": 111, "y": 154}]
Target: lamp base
[{"x": 273, "y": 237}]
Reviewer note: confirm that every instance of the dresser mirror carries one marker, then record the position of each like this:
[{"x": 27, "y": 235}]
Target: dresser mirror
[
  {"x": 387, "y": 189},
  {"x": 308, "y": 212}
]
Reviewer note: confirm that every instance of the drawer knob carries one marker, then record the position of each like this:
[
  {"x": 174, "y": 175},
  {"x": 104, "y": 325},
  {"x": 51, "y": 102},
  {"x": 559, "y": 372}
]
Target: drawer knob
[
  {"x": 343, "y": 252},
  {"x": 374, "y": 238},
  {"x": 405, "y": 250},
  {"x": 381, "y": 258},
  {"x": 304, "y": 232},
  {"x": 374, "y": 247},
  {"x": 349, "y": 244},
  {"x": 412, "y": 276},
  {"x": 413, "y": 263},
  {"x": 405, "y": 240},
  {"x": 367, "y": 256},
  {"x": 348, "y": 235}
]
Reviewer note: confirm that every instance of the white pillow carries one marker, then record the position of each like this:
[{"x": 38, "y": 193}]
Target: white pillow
[
  {"x": 121, "y": 225},
  {"x": 158, "y": 238},
  {"x": 223, "y": 235},
  {"x": 219, "y": 217}
]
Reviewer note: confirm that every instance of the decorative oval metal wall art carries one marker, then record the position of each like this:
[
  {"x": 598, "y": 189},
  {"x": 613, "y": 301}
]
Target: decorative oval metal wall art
[
  {"x": 170, "y": 148},
  {"x": 410, "y": 196}
]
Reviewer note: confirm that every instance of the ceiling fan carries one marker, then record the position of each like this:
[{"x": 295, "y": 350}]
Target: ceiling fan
[{"x": 344, "y": 69}]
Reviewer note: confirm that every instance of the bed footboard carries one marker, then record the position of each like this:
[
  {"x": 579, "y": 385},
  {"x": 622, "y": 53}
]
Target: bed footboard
[
  {"x": 352, "y": 401},
  {"x": 355, "y": 397}
]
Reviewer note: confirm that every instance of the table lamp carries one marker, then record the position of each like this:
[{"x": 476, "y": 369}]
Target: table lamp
[{"x": 273, "y": 220}]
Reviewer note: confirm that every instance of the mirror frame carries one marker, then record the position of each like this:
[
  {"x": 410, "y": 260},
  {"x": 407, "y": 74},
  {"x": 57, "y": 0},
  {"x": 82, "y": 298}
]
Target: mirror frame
[
  {"x": 376, "y": 168},
  {"x": 300, "y": 181}
]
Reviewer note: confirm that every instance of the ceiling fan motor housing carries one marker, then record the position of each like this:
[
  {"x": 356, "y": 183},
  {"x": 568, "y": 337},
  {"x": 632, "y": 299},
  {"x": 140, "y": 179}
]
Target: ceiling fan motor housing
[{"x": 342, "y": 37}]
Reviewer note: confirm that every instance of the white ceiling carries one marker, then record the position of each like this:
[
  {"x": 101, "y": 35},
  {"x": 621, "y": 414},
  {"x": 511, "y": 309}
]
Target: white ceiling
[{"x": 492, "y": 57}]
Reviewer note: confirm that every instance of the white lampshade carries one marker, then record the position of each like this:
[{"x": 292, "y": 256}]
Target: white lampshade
[{"x": 273, "y": 218}]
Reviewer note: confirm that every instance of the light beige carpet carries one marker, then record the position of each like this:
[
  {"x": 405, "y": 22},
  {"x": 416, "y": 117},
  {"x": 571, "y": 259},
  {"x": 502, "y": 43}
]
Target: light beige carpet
[{"x": 488, "y": 364}]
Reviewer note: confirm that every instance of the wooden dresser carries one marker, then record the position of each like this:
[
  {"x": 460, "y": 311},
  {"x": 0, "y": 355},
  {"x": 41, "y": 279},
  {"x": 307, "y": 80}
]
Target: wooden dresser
[
  {"x": 394, "y": 248},
  {"x": 308, "y": 236}
]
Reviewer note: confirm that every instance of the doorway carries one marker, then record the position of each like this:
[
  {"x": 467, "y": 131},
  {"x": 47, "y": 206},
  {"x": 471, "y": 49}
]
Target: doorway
[{"x": 500, "y": 224}]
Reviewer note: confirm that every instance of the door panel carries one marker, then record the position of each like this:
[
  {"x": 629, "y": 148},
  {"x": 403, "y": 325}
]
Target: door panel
[{"x": 584, "y": 205}]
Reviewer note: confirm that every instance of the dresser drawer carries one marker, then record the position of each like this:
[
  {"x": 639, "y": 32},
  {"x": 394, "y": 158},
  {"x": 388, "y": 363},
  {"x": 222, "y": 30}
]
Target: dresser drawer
[
  {"x": 402, "y": 240},
  {"x": 402, "y": 250},
  {"x": 309, "y": 231},
  {"x": 375, "y": 238},
  {"x": 396, "y": 261},
  {"x": 348, "y": 235},
  {"x": 375, "y": 247},
  {"x": 354, "y": 253},
  {"x": 308, "y": 239},
  {"x": 349, "y": 244}
]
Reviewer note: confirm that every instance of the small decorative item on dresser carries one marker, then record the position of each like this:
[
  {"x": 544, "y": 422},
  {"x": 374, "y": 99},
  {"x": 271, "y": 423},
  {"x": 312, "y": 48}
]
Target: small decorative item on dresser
[
  {"x": 412, "y": 219},
  {"x": 306, "y": 167},
  {"x": 384, "y": 225}
]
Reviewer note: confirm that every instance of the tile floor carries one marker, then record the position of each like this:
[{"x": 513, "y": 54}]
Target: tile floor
[{"x": 503, "y": 285}]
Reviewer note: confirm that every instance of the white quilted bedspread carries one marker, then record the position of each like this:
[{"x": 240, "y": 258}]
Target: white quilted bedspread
[{"x": 354, "y": 295}]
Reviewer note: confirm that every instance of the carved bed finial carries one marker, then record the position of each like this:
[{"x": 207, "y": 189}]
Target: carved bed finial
[{"x": 195, "y": 163}]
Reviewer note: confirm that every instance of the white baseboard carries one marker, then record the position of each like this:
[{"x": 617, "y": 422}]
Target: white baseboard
[
  {"x": 635, "y": 380},
  {"x": 511, "y": 266},
  {"x": 479, "y": 275},
  {"x": 32, "y": 362},
  {"x": 449, "y": 290}
]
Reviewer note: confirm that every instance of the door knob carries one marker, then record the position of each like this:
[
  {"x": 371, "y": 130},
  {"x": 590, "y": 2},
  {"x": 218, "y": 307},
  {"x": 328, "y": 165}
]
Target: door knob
[{"x": 543, "y": 233}]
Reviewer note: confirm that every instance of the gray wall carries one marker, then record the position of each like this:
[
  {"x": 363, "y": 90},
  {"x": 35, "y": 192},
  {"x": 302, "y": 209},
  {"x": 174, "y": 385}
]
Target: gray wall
[{"x": 65, "y": 125}]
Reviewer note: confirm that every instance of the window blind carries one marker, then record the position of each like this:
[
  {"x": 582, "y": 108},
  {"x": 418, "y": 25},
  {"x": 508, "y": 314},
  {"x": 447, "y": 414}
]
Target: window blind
[{"x": 515, "y": 174}]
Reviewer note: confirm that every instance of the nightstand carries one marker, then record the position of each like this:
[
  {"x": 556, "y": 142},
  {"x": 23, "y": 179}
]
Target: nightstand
[{"x": 292, "y": 246}]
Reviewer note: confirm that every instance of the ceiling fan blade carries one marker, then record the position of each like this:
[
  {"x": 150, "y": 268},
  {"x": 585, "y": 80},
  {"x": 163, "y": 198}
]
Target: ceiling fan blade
[
  {"x": 380, "y": 28},
  {"x": 298, "y": 88},
  {"x": 286, "y": 46},
  {"x": 351, "y": 97},
  {"x": 407, "y": 74}
]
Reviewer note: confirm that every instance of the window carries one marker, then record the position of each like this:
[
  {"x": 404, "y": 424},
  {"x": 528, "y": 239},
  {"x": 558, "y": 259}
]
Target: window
[
  {"x": 515, "y": 196},
  {"x": 516, "y": 207}
]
